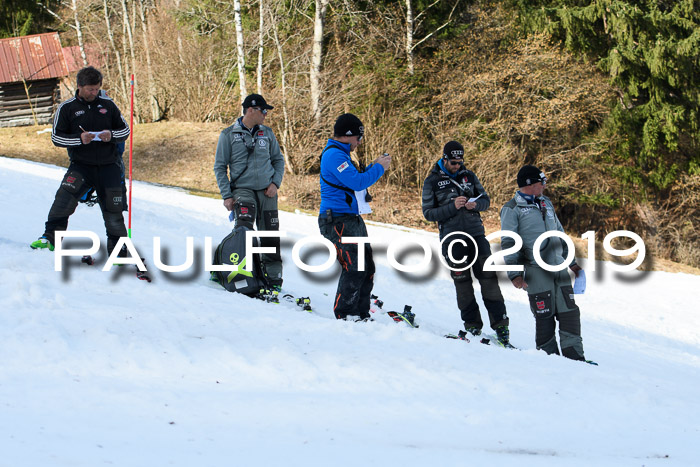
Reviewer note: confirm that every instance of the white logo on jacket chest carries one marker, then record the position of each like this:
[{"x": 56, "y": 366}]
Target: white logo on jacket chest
[
  {"x": 79, "y": 113},
  {"x": 343, "y": 166},
  {"x": 443, "y": 183},
  {"x": 262, "y": 143}
]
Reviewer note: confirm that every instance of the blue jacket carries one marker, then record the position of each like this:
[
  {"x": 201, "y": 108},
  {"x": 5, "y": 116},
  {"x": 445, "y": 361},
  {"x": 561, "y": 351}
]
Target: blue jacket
[{"x": 338, "y": 169}]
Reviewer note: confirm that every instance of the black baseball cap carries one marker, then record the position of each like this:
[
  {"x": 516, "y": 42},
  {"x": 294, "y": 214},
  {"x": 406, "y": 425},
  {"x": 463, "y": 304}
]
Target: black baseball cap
[
  {"x": 529, "y": 175},
  {"x": 256, "y": 100}
]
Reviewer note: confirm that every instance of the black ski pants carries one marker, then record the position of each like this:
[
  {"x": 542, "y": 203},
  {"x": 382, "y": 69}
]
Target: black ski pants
[
  {"x": 352, "y": 298},
  {"x": 490, "y": 290},
  {"x": 106, "y": 180}
]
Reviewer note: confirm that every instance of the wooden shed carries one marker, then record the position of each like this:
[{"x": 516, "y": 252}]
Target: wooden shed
[{"x": 31, "y": 68}]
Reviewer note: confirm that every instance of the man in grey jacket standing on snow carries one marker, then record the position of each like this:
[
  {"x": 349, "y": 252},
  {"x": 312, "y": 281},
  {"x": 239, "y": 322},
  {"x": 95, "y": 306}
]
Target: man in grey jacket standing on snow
[
  {"x": 249, "y": 168},
  {"x": 530, "y": 214}
]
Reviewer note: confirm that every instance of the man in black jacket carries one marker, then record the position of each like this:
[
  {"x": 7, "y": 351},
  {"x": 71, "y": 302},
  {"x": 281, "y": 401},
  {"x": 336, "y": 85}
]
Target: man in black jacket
[
  {"x": 90, "y": 127},
  {"x": 453, "y": 196}
]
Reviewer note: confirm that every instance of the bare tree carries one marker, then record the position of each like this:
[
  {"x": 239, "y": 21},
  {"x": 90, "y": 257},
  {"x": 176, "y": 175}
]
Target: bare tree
[
  {"x": 317, "y": 58},
  {"x": 79, "y": 31},
  {"x": 155, "y": 113},
  {"x": 239, "y": 48},
  {"x": 115, "y": 50},
  {"x": 409, "y": 36},
  {"x": 260, "y": 46},
  {"x": 283, "y": 78},
  {"x": 128, "y": 35},
  {"x": 76, "y": 25},
  {"x": 413, "y": 23}
]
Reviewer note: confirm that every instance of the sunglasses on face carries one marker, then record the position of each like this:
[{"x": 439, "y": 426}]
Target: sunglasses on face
[
  {"x": 455, "y": 161},
  {"x": 264, "y": 111}
]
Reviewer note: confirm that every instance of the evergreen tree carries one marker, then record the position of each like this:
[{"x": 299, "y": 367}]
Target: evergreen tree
[
  {"x": 23, "y": 17},
  {"x": 651, "y": 51}
]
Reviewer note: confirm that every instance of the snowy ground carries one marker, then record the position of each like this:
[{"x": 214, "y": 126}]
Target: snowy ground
[{"x": 99, "y": 368}]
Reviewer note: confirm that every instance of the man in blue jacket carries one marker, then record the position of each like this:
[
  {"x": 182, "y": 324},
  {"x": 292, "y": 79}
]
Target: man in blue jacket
[{"x": 344, "y": 198}]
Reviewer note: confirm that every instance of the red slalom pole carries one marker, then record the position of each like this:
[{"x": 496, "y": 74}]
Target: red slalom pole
[{"x": 131, "y": 149}]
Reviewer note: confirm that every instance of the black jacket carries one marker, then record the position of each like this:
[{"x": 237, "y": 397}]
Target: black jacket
[
  {"x": 98, "y": 115},
  {"x": 439, "y": 192}
]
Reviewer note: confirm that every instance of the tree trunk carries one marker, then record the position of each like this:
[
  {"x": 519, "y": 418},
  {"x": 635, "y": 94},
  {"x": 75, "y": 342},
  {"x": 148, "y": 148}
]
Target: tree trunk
[
  {"x": 127, "y": 34},
  {"x": 155, "y": 114},
  {"x": 317, "y": 58},
  {"x": 409, "y": 36},
  {"x": 286, "y": 137},
  {"x": 260, "y": 46},
  {"x": 79, "y": 32},
  {"x": 239, "y": 46},
  {"x": 110, "y": 35}
]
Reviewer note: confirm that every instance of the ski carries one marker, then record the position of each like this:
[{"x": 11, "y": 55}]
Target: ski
[
  {"x": 302, "y": 302},
  {"x": 407, "y": 316},
  {"x": 273, "y": 296},
  {"x": 494, "y": 338},
  {"x": 141, "y": 275},
  {"x": 462, "y": 335}
]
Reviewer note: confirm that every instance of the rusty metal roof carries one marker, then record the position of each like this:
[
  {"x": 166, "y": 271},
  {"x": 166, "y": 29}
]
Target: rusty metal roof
[
  {"x": 74, "y": 61},
  {"x": 31, "y": 57}
]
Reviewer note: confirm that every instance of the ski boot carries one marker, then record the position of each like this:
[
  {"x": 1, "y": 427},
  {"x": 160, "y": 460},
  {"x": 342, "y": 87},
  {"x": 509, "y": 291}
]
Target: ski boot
[
  {"x": 503, "y": 337},
  {"x": 474, "y": 331},
  {"x": 41, "y": 243}
]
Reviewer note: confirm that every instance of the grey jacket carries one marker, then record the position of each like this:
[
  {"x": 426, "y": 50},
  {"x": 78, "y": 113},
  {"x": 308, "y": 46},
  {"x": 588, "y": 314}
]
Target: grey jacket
[
  {"x": 252, "y": 162},
  {"x": 530, "y": 221}
]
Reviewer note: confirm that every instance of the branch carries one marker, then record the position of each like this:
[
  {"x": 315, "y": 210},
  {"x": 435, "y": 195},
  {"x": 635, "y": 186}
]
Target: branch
[
  {"x": 449, "y": 19},
  {"x": 428, "y": 7},
  {"x": 55, "y": 15}
]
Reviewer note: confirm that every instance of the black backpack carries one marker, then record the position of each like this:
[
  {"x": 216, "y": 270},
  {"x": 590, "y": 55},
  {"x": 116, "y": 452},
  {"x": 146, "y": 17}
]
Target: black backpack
[{"x": 231, "y": 251}]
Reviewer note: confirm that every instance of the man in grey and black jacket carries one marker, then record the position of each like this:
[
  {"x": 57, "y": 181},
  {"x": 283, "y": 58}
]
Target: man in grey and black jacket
[
  {"x": 249, "y": 167},
  {"x": 453, "y": 197},
  {"x": 530, "y": 214}
]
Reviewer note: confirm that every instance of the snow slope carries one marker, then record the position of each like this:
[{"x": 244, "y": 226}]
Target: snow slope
[{"x": 99, "y": 368}]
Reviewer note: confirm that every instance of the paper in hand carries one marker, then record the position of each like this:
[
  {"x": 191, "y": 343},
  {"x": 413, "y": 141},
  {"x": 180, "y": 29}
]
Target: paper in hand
[
  {"x": 471, "y": 200},
  {"x": 580, "y": 283},
  {"x": 362, "y": 205}
]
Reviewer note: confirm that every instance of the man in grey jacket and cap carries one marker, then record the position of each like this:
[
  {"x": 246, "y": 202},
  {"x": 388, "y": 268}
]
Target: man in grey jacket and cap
[
  {"x": 249, "y": 168},
  {"x": 530, "y": 214}
]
